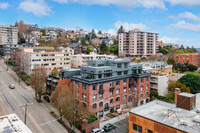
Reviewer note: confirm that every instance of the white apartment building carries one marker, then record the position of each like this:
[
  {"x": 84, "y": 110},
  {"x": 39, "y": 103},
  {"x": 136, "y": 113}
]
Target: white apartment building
[
  {"x": 50, "y": 60},
  {"x": 136, "y": 43},
  {"x": 81, "y": 59},
  {"x": 8, "y": 35},
  {"x": 159, "y": 83}
]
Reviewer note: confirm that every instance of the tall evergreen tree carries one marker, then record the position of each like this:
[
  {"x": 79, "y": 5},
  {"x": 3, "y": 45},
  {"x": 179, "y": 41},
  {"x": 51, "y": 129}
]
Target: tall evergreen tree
[{"x": 121, "y": 29}]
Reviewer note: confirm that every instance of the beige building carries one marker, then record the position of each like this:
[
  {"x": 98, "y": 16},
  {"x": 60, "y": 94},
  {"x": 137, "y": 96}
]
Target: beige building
[
  {"x": 8, "y": 35},
  {"x": 50, "y": 60},
  {"x": 136, "y": 43},
  {"x": 81, "y": 59}
]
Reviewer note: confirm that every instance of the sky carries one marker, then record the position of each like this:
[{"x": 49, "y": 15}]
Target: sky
[{"x": 176, "y": 21}]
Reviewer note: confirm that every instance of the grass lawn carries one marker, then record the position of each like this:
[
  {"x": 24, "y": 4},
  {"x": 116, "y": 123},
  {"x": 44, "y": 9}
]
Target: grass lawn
[
  {"x": 194, "y": 73},
  {"x": 175, "y": 71}
]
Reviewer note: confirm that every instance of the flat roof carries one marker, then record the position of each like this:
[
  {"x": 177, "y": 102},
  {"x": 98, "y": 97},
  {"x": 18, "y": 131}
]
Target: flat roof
[
  {"x": 180, "y": 119},
  {"x": 34, "y": 48},
  {"x": 12, "y": 124},
  {"x": 186, "y": 94}
]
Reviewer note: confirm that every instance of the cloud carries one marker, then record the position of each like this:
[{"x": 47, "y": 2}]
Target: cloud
[
  {"x": 125, "y": 3},
  {"x": 4, "y": 5},
  {"x": 186, "y": 26},
  {"x": 112, "y": 32},
  {"x": 130, "y": 26},
  {"x": 166, "y": 39},
  {"x": 187, "y": 15},
  {"x": 61, "y": 1},
  {"x": 37, "y": 7},
  {"x": 184, "y": 2}
]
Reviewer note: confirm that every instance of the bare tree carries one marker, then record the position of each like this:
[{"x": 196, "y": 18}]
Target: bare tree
[
  {"x": 22, "y": 28},
  {"x": 38, "y": 80},
  {"x": 54, "y": 43}
]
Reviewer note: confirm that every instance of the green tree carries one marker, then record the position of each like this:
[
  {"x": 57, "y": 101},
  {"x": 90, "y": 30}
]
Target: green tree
[
  {"x": 22, "y": 40},
  {"x": 43, "y": 32},
  {"x": 93, "y": 34},
  {"x": 99, "y": 32},
  {"x": 192, "y": 67},
  {"x": 163, "y": 50},
  {"x": 192, "y": 81},
  {"x": 114, "y": 49},
  {"x": 103, "y": 47},
  {"x": 59, "y": 34},
  {"x": 121, "y": 30},
  {"x": 171, "y": 61},
  {"x": 87, "y": 37},
  {"x": 83, "y": 41},
  {"x": 54, "y": 72},
  {"x": 89, "y": 49}
]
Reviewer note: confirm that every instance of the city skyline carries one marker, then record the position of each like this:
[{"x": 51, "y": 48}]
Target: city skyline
[{"x": 175, "y": 21}]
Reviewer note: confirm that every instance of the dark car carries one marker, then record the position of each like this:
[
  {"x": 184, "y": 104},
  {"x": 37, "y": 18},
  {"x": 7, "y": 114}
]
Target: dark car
[
  {"x": 12, "y": 86},
  {"x": 109, "y": 127}
]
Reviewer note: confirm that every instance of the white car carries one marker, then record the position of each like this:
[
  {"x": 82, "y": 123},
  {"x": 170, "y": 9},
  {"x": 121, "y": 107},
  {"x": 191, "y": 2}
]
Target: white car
[
  {"x": 12, "y": 86},
  {"x": 97, "y": 130}
]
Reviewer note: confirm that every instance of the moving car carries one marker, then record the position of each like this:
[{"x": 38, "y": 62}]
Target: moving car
[
  {"x": 12, "y": 86},
  {"x": 97, "y": 130},
  {"x": 109, "y": 127}
]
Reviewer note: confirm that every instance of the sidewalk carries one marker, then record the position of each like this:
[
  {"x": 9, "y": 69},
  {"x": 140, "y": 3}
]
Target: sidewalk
[{"x": 114, "y": 120}]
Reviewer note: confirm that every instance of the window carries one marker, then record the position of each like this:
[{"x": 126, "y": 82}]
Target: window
[
  {"x": 129, "y": 98},
  {"x": 100, "y": 95},
  {"x": 94, "y": 106},
  {"x": 137, "y": 128},
  {"x": 111, "y": 84},
  {"x": 147, "y": 87},
  {"x": 125, "y": 65},
  {"x": 149, "y": 131},
  {"x": 141, "y": 81},
  {"x": 117, "y": 91},
  {"x": 125, "y": 97},
  {"x": 111, "y": 101},
  {"x": 125, "y": 72},
  {"x": 111, "y": 93},
  {"x": 84, "y": 87},
  {"x": 84, "y": 96},
  {"x": 147, "y": 79},
  {"x": 117, "y": 83},
  {"x": 125, "y": 89},
  {"x": 147, "y": 94},
  {"x": 141, "y": 96},
  {"x": 117, "y": 99},
  {"x": 119, "y": 73},
  {"x": 94, "y": 97},
  {"x": 101, "y": 104},
  {"x": 119, "y": 65},
  {"x": 84, "y": 105},
  {"x": 125, "y": 81},
  {"x": 94, "y": 88},
  {"x": 77, "y": 85},
  {"x": 141, "y": 88},
  {"x": 129, "y": 88},
  {"x": 135, "y": 88},
  {"x": 99, "y": 76}
]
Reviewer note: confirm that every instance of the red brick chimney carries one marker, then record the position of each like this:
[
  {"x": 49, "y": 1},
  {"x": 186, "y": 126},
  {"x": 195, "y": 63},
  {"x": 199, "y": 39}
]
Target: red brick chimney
[{"x": 177, "y": 91}]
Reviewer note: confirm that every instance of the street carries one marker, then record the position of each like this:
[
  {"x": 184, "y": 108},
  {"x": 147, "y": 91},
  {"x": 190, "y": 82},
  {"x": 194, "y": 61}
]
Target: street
[
  {"x": 122, "y": 126},
  {"x": 39, "y": 119}
]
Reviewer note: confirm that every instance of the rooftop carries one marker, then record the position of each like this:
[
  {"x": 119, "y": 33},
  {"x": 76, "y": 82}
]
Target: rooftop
[
  {"x": 184, "y": 120},
  {"x": 12, "y": 124},
  {"x": 186, "y": 94}
]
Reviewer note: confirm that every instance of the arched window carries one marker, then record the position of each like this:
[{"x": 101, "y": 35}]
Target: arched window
[
  {"x": 117, "y": 99},
  {"x": 101, "y": 104},
  {"x": 84, "y": 105},
  {"x": 111, "y": 101},
  {"x": 129, "y": 98},
  {"x": 147, "y": 94},
  {"x": 141, "y": 96},
  {"x": 125, "y": 97},
  {"x": 94, "y": 106}
]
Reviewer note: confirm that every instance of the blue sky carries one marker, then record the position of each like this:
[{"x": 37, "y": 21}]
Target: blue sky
[{"x": 176, "y": 21}]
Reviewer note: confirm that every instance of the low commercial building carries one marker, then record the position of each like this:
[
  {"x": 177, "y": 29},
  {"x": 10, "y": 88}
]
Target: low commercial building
[
  {"x": 159, "y": 117},
  {"x": 12, "y": 124},
  {"x": 81, "y": 59},
  {"x": 159, "y": 83},
  {"x": 107, "y": 85},
  {"x": 158, "y": 67},
  {"x": 193, "y": 59}
]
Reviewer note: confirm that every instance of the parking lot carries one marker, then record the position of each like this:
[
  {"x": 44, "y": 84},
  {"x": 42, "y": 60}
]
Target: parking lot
[{"x": 122, "y": 126}]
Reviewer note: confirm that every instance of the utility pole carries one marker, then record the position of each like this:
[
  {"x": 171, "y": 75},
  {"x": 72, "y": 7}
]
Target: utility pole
[
  {"x": 25, "y": 111},
  {"x": 7, "y": 63}
]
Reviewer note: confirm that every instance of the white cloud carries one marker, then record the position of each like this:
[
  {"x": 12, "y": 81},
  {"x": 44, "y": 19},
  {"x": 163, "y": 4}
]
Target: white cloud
[
  {"x": 187, "y": 15},
  {"x": 166, "y": 39},
  {"x": 61, "y": 1},
  {"x": 184, "y": 2},
  {"x": 130, "y": 26},
  {"x": 125, "y": 3},
  {"x": 112, "y": 32},
  {"x": 186, "y": 26},
  {"x": 37, "y": 7},
  {"x": 4, "y": 5}
]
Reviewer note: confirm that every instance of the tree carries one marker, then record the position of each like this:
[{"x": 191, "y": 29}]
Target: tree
[
  {"x": 163, "y": 50},
  {"x": 43, "y": 32},
  {"x": 89, "y": 49},
  {"x": 87, "y": 37},
  {"x": 182, "y": 87},
  {"x": 192, "y": 81},
  {"x": 59, "y": 34},
  {"x": 22, "y": 28},
  {"x": 38, "y": 80},
  {"x": 171, "y": 61},
  {"x": 182, "y": 47},
  {"x": 54, "y": 43},
  {"x": 121, "y": 30},
  {"x": 192, "y": 67},
  {"x": 103, "y": 47},
  {"x": 21, "y": 40},
  {"x": 83, "y": 41},
  {"x": 93, "y": 34},
  {"x": 54, "y": 72},
  {"x": 114, "y": 49},
  {"x": 100, "y": 32}
]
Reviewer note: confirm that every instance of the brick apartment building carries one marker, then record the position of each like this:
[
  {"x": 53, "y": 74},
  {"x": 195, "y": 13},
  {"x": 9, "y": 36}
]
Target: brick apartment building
[
  {"x": 136, "y": 43},
  {"x": 162, "y": 117},
  {"x": 108, "y": 85},
  {"x": 193, "y": 59}
]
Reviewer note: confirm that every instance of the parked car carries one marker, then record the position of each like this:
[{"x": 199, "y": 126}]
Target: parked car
[
  {"x": 109, "y": 127},
  {"x": 12, "y": 86},
  {"x": 97, "y": 130}
]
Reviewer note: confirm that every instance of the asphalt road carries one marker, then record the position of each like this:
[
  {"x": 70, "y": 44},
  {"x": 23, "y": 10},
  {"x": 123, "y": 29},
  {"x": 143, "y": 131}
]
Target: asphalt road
[
  {"x": 122, "y": 126},
  {"x": 39, "y": 119}
]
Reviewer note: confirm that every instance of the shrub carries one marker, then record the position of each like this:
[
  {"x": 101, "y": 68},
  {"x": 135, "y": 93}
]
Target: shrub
[
  {"x": 46, "y": 97},
  {"x": 52, "y": 112},
  {"x": 92, "y": 118},
  {"x": 77, "y": 125},
  {"x": 83, "y": 131}
]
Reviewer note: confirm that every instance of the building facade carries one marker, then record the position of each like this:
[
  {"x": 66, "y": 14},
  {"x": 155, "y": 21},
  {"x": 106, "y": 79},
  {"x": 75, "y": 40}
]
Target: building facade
[
  {"x": 159, "y": 83},
  {"x": 107, "y": 85},
  {"x": 193, "y": 59},
  {"x": 136, "y": 43},
  {"x": 158, "y": 67},
  {"x": 82, "y": 59}
]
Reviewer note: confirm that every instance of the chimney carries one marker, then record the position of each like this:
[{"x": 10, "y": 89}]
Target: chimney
[
  {"x": 186, "y": 101},
  {"x": 177, "y": 91}
]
